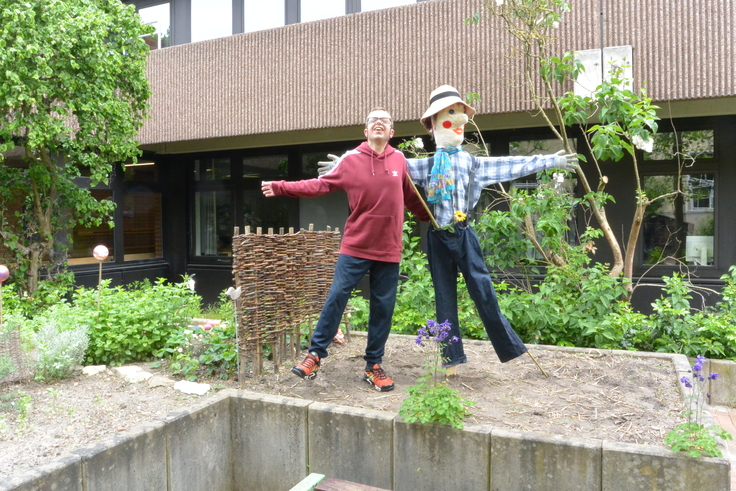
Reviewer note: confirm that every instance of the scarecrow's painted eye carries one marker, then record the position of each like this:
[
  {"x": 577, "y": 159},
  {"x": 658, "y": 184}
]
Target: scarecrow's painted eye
[{"x": 452, "y": 111}]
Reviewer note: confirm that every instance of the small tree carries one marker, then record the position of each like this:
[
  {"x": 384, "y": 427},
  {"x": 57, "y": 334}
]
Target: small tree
[
  {"x": 614, "y": 121},
  {"x": 73, "y": 93}
]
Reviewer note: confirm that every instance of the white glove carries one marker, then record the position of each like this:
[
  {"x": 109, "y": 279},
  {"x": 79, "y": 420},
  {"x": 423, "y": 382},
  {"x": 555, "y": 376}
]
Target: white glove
[
  {"x": 568, "y": 162},
  {"x": 326, "y": 167}
]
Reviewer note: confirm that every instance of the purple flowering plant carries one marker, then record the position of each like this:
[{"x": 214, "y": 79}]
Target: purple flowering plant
[
  {"x": 432, "y": 400},
  {"x": 694, "y": 437}
]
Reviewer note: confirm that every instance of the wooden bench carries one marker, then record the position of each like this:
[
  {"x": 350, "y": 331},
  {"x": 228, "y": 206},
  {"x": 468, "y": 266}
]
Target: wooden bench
[
  {"x": 318, "y": 482},
  {"x": 332, "y": 484}
]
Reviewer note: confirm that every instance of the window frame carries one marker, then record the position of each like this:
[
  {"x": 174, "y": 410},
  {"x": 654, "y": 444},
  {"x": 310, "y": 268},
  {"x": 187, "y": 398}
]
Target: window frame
[{"x": 667, "y": 167}]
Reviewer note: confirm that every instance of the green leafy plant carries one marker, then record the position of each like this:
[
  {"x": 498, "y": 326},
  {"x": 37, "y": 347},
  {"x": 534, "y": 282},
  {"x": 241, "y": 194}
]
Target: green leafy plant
[
  {"x": 133, "y": 322},
  {"x": 432, "y": 400},
  {"x": 415, "y": 293},
  {"x": 693, "y": 436},
  {"x": 210, "y": 348},
  {"x": 219, "y": 350},
  {"x": 675, "y": 327},
  {"x": 50, "y": 292},
  {"x": 572, "y": 306},
  {"x": 23, "y": 406},
  {"x": 180, "y": 350},
  {"x": 7, "y": 367}
]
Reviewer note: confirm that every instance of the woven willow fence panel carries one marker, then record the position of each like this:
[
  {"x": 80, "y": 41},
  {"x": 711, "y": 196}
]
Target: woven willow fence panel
[
  {"x": 284, "y": 279},
  {"x": 17, "y": 361}
]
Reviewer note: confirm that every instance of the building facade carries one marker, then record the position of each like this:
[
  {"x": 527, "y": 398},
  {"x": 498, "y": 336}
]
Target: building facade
[{"x": 242, "y": 94}]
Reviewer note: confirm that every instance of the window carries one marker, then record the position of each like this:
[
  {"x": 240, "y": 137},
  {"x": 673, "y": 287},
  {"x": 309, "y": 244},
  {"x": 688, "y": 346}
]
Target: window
[
  {"x": 689, "y": 145},
  {"x": 679, "y": 228},
  {"x": 211, "y": 19},
  {"x": 84, "y": 239},
  {"x": 366, "y": 5},
  {"x": 142, "y": 233},
  {"x": 259, "y": 211},
  {"x": 217, "y": 169},
  {"x": 213, "y": 208},
  {"x": 213, "y": 223},
  {"x": 139, "y": 198},
  {"x": 159, "y": 17},
  {"x": 259, "y": 15},
  {"x": 321, "y": 9}
]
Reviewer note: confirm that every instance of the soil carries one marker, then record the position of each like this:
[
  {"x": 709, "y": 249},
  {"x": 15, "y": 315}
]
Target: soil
[{"x": 594, "y": 394}]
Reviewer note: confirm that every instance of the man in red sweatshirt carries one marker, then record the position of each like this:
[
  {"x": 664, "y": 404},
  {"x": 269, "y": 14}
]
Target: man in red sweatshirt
[{"x": 374, "y": 176}]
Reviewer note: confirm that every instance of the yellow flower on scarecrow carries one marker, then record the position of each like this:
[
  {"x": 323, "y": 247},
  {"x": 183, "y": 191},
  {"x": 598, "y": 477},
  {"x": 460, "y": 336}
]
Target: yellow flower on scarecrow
[{"x": 460, "y": 216}]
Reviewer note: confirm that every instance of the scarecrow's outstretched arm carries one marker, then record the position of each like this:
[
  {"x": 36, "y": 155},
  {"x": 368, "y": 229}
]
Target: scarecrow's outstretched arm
[{"x": 492, "y": 170}]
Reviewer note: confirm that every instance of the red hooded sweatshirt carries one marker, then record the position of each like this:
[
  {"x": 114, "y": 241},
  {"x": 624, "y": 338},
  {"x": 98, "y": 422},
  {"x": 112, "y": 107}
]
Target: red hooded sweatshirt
[{"x": 378, "y": 188}]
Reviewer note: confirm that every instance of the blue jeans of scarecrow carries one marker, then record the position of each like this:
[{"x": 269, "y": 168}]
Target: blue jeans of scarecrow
[
  {"x": 349, "y": 270},
  {"x": 449, "y": 252}
]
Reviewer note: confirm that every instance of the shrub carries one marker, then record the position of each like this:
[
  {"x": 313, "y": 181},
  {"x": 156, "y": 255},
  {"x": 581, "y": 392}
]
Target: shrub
[
  {"x": 49, "y": 293},
  {"x": 571, "y": 307},
  {"x": 133, "y": 323},
  {"x": 62, "y": 342},
  {"x": 211, "y": 348},
  {"x": 674, "y": 327}
]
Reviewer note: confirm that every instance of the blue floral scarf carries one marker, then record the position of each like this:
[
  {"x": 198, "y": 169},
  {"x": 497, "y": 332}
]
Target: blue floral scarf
[{"x": 441, "y": 179}]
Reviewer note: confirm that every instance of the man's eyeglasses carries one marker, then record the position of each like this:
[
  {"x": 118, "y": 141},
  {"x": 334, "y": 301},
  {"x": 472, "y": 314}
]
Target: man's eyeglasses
[{"x": 370, "y": 121}]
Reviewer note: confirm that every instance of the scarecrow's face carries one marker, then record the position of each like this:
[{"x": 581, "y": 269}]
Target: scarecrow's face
[
  {"x": 449, "y": 126},
  {"x": 378, "y": 126}
]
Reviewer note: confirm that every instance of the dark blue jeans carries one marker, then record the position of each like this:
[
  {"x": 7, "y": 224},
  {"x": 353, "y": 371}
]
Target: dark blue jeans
[
  {"x": 349, "y": 270},
  {"x": 447, "y": 252}
]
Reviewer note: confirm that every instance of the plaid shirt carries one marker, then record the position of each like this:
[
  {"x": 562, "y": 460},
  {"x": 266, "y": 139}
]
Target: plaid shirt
[{"x": 488, "y": 170}]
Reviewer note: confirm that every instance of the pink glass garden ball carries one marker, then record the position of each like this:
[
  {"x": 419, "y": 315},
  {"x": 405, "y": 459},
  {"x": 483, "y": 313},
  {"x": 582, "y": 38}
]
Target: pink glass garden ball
[
  {"x": 4, "y": 273},
  {"x": 100, "y": 252}
]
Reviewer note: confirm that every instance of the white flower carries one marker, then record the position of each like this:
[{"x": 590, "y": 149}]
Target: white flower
[
  {"x": 642, "y": 144},
  {"x": 555, "y": 25},
  {"x": 499, "y": 3},
  {"x": 418, "y": 143}
]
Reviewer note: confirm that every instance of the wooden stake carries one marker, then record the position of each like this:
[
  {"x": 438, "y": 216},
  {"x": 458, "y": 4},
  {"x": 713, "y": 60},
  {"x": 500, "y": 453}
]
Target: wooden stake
[
  {"x": 535, "y": 362},
  {"x": 431, "y": 217}
]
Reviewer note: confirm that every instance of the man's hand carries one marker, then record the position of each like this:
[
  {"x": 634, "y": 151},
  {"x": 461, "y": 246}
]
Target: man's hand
[
  {"x": 267, "y": 188},
  {"x": 325, "y": 167},
  {"x": 568, "y": 162}
]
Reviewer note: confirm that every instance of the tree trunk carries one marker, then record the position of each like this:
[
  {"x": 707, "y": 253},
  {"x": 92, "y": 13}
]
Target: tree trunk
[{"x": 636, "y": 225}]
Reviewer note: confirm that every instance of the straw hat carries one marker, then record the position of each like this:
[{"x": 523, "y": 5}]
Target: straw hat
[{"x": 440, "y": 98}]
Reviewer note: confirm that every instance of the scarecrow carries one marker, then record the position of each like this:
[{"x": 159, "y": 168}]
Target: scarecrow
[{"x": 453, "y": 180}]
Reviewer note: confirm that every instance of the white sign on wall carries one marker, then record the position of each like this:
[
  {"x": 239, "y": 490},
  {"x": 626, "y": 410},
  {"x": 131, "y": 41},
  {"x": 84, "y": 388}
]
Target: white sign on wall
[{"x": 613, "y": 57}]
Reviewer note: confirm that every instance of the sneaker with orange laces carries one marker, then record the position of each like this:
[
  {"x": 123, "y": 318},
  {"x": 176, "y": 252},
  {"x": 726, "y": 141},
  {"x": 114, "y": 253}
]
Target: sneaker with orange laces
[
  {"x": 308, "y": 368},
  {"x": 378, "y": 378}
]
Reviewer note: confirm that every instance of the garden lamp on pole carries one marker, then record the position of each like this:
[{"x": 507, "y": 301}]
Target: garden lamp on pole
[
  {"x": 4, "y": 273},
  {"x": 100, "y": 253}
]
